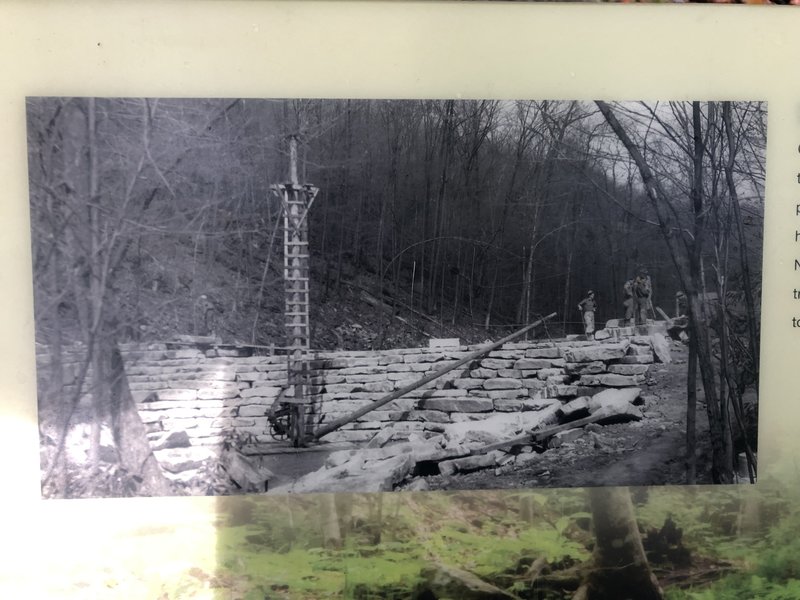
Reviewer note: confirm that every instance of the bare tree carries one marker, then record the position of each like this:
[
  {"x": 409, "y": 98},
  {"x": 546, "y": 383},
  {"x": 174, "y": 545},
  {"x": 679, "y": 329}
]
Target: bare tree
[
  {"x": 689, "y": 158},
  {"x": 94, "y": 244}
]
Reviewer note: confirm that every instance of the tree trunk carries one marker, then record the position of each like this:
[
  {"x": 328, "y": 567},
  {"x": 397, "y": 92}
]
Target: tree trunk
[
  {"x": 691, "y": 414},
  {"x": 749, "y": 523},
  {"x": 686, "y": 258},
  {"x": 55, "y": 396},
  {"x": 566, "y": 319},
  {"x": 375, "y": 518},
  {"x": 98, "y": 390},
  {"x": 439, "y": 221},
  {"x": 331, "y": 534},
  {"x": 725, "y": 390},
  {"x": 492, "y": 292},
  {"x": 527, "y": 509},
  {"x": 752, "y": 322},
  {"x": 344, "y": 512},
  {"x": 722, "y": 471},
  {"x": 524, "y": 307},
  {"x": 99, "y": 395},
  {"x": 130, "y": 434},
  {"x": 620, "y": 570}
]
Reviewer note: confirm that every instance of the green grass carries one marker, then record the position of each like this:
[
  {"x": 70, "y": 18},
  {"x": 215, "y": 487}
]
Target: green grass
[
  {"x": 316, "y": 572},
  {"x": 278, "y": 552},
  {"x": 260, "y": 557},
  {"x": 487, "y": 555}
]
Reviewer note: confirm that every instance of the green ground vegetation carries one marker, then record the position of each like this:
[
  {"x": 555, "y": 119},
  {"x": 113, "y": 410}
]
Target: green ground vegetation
[{"x": 742, "y": 542}]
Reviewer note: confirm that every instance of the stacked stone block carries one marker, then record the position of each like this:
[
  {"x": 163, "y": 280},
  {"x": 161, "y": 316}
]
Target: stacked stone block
[
  {"x": 517, "y": 377},
  {"x": 210, "y": 392},
  {"x": 205, "y": 394}
]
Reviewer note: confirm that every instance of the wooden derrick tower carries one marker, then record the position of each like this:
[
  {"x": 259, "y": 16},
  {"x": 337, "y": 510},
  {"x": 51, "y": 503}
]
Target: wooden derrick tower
[{"x": 296, "y": 200}]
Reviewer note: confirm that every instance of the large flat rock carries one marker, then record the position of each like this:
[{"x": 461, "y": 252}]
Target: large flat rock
[
  {"x": 637, "y": 359},
  {"x": 607, "y": 396},
  {"x": 611, "y": 380},
  {"x": 167, "y": 440},
  {"x": 590, "y": 368},
  {"x": 501, "y": 383},
  {"x": 356, "y": 475},
  {"x": 544, "y": 352},
  {"x": 602, "y": 352},
  {"x": 464, "y": 404},
  {"x": 575, "y": 409},
  {"x": 565, "y": 437},
  {"x": 176, "y": 460},
  {"x": 525, "y": 364},
  {"x": 467, "y": 464},
  {"x": 507, "y": 404},
  {"x": 501, "y": 426},
  {"x": 628, "y": 369},
  {"x": 616, "y": 406},
  {"x": 661, "y": 348},
  {"x": 422, "y": 450},
  {"x": 497, "y": 363},
  {"x": 618, "y": 414}
]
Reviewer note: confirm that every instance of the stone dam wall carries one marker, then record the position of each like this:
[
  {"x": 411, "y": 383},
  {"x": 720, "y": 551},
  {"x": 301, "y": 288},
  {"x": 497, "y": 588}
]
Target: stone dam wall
[{"x": 209, "y": 392}]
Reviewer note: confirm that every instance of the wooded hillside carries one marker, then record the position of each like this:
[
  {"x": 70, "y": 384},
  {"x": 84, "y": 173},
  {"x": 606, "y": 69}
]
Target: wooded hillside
[{"x": 460, "y": 215}]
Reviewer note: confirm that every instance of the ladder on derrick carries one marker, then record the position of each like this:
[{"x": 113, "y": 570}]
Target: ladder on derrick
[
  {"x": 296, "y": 201},
  {"x": 296, "y": 267}
]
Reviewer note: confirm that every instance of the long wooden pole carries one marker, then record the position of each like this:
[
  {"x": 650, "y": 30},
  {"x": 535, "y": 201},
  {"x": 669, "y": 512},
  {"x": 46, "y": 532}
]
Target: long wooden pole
[{"x": 325, "y": 430}]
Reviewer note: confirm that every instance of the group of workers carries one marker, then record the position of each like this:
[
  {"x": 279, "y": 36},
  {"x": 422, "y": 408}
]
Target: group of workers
[{"x": 637, "y": 291}]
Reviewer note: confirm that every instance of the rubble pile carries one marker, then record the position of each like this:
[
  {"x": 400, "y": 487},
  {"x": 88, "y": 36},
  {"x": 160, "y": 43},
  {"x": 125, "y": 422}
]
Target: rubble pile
[{"x": 502, "y": 441}]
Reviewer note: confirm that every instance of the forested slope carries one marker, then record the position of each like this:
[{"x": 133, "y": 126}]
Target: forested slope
[{"x": 155, "y": 217}]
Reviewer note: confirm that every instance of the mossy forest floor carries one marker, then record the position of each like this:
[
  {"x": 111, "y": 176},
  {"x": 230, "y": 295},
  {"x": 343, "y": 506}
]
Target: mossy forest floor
[
  {"x": 739, "y": 542},
  {"x": 725, "y": 546}
]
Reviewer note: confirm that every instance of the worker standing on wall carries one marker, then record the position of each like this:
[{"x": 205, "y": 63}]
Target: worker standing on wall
[
  {"x": 642, "y": 292},
  {"x": 627, "y": 291},
  {"x": 588, "y": 306}
]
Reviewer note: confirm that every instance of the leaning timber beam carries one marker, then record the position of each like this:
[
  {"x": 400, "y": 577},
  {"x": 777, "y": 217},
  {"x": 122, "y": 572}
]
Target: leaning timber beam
[
  {"x": 664, "y": 316},
  {"x": 333, "y": 426}
]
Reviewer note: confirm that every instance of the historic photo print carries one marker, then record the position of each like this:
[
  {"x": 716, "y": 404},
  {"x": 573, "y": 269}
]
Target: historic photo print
[{"x": 283, "y": 296}]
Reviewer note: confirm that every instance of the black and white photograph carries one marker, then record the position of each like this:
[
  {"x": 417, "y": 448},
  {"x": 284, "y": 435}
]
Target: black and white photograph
[{"x": 280, "y": 296}]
